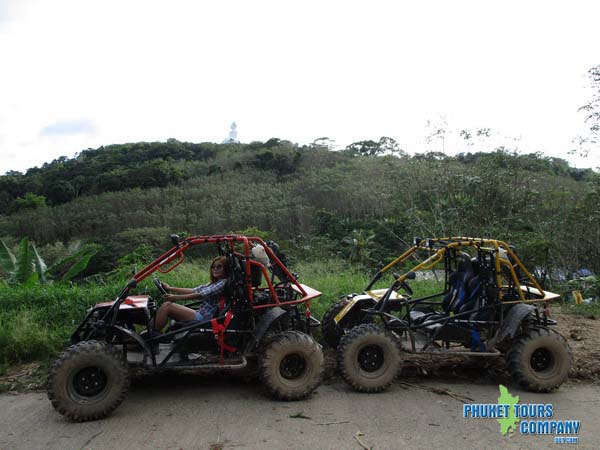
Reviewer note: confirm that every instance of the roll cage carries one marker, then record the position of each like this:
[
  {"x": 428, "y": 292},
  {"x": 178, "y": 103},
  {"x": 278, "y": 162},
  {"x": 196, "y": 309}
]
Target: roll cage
[
  {"x": 176, "y": 255},
  {"x": 243, "y": 295},
  {"x": 514, "y": 281},
  {"x": 505, "y": 282}
]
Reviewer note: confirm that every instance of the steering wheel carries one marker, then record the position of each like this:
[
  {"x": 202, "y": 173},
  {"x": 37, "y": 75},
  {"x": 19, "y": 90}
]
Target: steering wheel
[
  {"x": 159, "y": 286},
  {"x": 403, "y": 284}
]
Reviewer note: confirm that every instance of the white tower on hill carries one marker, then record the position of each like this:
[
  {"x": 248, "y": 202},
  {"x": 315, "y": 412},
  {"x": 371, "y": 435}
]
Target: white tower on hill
[{"x": 232, "y": 138}]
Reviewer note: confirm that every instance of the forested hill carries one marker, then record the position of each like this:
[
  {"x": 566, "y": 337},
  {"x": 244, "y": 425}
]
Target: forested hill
[{"x": 309, "y": 196}]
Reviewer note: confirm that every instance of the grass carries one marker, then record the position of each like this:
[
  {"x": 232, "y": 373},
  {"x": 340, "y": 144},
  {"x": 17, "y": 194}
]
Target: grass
[
  {"x": 591, "y": 310},
  {"x": 36, "y": 322}
]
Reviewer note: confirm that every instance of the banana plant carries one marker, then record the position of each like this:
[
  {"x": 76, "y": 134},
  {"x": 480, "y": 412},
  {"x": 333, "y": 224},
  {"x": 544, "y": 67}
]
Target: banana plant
[
  {"x": 29, "y": 268},
  {"x": 360, "y": 245},
  {"x": 7, "y": 260}
]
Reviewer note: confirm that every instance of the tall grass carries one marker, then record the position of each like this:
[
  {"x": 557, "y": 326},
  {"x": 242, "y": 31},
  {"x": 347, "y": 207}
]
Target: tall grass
[{"x": 36, "y": 322}]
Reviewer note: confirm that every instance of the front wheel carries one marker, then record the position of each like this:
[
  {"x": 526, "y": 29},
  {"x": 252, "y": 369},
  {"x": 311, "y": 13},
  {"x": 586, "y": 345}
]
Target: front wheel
[
  {"x": 291, "y": 365},
  {"x": 88, "y": 381},
  {"x": 539, "y": 360},
  {"x": 369, "y": 358}
]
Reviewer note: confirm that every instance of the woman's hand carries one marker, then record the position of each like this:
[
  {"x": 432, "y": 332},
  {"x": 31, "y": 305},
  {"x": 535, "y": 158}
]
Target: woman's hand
[{"x": 166, "y": 286}]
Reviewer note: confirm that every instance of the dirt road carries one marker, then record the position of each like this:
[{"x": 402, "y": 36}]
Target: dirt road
[{"x": 199, "y": 412}]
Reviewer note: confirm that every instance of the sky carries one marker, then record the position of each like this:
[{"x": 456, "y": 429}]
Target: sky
[{"x": 78, "y": 74}]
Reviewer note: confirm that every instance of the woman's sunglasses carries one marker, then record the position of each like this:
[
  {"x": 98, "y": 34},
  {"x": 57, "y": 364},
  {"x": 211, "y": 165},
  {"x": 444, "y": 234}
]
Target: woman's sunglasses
[{"x": 217, "y": 266}]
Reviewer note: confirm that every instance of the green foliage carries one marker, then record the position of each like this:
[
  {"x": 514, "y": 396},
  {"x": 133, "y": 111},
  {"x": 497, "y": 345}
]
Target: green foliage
[
  {"x": 308, "y": 198},
  {"x": 591, "y": 310},
  {"x": 29, "y": 201},
  {"x": 25, "y": 268},
  {"x": 7, "y": 259},
  {"x": 386, "y": 145},
  {"x": 255, "y": 232},
  {"x": 29, "y": 268},
  {"x": 139, "y": 257},
  {"x": 39, "y": 265},
  {"x": 76, "y": 263},
  {"x": 588, "y": 286},
  {"x": 36, "y": 320},
  {"x": 361, "y": 244},
  {"x": 589, "y": 141}
]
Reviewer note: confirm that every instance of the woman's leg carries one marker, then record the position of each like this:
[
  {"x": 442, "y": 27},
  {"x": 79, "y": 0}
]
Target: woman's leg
[{"x": 174, "y": 311}]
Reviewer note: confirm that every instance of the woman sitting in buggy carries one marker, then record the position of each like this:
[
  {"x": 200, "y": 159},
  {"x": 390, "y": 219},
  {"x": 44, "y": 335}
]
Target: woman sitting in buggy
[{"x": 209, "y": 294}]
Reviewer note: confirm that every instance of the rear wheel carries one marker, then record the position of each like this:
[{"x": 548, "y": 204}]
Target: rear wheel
[
  {"x": 539, "y": 360},
  {"x": 88, "y": 381},
  {"x": 369, "y": 358},
  {"x": 291, "y": 365}
]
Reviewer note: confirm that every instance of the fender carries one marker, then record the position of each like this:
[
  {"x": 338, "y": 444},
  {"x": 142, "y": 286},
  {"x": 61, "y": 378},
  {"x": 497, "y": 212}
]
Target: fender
[
  {"x": 513, "y": 319},
  {"x": 269, "y": 317},
  {"x": 355, "y": 302}
]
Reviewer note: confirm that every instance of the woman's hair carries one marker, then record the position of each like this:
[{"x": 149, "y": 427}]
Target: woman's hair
[{"x": 223, "y": 261}]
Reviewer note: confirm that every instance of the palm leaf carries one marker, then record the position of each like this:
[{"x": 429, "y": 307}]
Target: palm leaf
[
  {"x": 40, "y": 265},
  {"x": 7, "y": 259},
  {"x": 62, "y": 265},
  {"x": 24, "y": 262},
  {"x": 79, "y": 266},
  {"x": 32, "y": 280}
]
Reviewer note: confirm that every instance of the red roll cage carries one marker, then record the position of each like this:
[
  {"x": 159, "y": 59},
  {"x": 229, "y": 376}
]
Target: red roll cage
[{"x": 175, "y": 256}]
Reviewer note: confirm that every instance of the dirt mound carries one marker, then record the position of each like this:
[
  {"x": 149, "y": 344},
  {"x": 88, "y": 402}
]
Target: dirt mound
[{"x": 583, "y": 335}]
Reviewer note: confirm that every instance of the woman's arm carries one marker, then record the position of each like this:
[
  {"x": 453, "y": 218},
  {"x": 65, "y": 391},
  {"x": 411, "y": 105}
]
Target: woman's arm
[
  {"x": 175, "y": 298},
  {"x": 177, "y": 290},
  {"x": 198, "y": 292}
]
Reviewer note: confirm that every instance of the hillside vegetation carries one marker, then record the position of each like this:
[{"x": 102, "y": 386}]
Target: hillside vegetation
[
  {"x": 337, "y": 214},
  {"x": 122, "y": 196}
]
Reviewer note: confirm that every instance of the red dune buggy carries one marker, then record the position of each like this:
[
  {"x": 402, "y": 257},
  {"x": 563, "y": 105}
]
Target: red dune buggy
[{"x": 264, "y": 313}]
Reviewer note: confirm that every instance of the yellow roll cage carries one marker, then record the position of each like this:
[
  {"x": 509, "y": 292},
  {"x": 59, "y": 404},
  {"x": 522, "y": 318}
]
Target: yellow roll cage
[{"x": 440, "y": 246}]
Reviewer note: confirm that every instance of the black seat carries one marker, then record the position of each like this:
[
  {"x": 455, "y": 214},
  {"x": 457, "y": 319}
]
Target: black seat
[
  {"x": 462, "y": 291},
  {"x": 473, "y": 287},
  {"x": 461, "y": 297},
  {"x": 418, "y": 317}
]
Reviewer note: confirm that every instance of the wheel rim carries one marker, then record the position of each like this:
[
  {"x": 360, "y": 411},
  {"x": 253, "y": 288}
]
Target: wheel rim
[
  {"x": 541, "y": 360},
  {"x": 293, "y": 366},
  {"x": 371, "y": 358},
  {"x": 89, "y": 382}
]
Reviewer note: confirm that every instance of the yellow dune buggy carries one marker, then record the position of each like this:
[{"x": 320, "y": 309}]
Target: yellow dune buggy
[{"x": 490, "y": 305}]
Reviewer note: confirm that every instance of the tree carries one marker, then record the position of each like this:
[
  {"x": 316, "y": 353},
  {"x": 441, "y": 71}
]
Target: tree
[
  {"x": 60, "y": 192},
  {"x": 481, "y": 135},
  {"x": 592, "y": 116},
  {"x": 386, "y": 145},
  {"x": 360, "y": 244},
  {"x": 29, "y": 201},
  {"x": 323, "y": 142},
  {"x": 390, "y": 146},
  {"x": 436, "y": 131}
]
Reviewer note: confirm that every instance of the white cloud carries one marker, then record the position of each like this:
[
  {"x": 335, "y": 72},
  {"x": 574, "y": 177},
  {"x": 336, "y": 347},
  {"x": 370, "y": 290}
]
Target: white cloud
[{"x": 150, "y": 70}]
